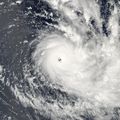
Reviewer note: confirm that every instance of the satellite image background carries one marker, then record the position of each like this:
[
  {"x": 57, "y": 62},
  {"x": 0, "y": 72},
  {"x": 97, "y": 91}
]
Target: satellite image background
[{"x": 21, "y": 22}]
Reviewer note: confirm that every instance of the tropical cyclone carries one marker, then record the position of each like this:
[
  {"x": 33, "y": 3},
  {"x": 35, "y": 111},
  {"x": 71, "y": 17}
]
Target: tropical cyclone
[{"x": 86, "y": 65}]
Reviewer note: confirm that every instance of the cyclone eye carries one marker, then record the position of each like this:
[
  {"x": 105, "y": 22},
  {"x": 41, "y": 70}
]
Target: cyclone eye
[{"x": 59, "y": 59}]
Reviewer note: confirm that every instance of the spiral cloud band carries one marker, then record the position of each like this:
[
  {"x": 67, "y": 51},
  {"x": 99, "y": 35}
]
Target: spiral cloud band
[
  {"x": 75, "y": 68},
  {"x": 90, "y": 69}
]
